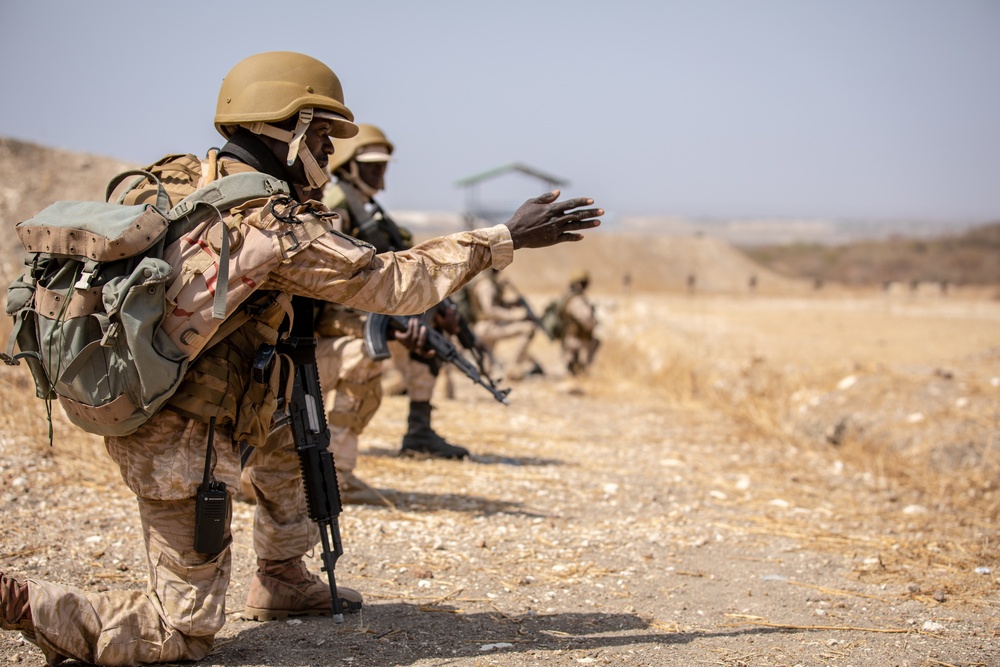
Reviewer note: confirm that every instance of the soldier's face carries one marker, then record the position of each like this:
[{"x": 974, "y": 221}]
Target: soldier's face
[
  {"x": 318, "y": 142},
  {"x": 373, "y": 174}
]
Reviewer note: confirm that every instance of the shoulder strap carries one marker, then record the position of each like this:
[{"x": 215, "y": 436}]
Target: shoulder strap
[
  {"x": 230, "y": 191},
  {"x": 162, "y": 198},
  {"x": 216, "y": 197}
]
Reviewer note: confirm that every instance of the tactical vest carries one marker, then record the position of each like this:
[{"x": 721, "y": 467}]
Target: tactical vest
[
  {"x": 227, "y": 380},
  {"x": 367, "y": 220}
]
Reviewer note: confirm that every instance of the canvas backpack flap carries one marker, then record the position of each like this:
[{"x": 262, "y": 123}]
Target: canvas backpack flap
[
  {"x": 97, "y": 231},
  {"x": 137, "y": 305}
]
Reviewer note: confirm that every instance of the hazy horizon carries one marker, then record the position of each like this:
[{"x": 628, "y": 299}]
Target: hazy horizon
[{"x": 848, "y": 110}]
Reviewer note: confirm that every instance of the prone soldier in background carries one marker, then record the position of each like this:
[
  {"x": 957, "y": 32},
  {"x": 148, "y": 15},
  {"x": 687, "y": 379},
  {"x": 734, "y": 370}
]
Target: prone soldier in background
[{"x": 277, "y": 111}]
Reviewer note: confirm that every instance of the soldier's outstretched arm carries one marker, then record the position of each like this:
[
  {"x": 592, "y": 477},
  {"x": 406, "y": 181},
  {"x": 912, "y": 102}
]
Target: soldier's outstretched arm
[{"x": 544, "y": 221}]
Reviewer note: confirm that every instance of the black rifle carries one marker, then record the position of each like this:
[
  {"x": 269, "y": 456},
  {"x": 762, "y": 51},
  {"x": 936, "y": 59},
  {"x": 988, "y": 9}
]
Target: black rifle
[
  {"x": 519, "y": 300},
  {"x": 312, "y": 440},
  {"x": 470, "y": 342},
  {"x": 390, "y": 229},
  {"x": 377, "y": 327}
]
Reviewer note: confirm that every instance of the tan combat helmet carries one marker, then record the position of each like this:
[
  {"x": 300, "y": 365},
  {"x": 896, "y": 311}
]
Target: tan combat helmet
[
  {"x": 581, "y": 276},
  {"x": 271, "y": 87},
  {"x": 369, "y": 145}
]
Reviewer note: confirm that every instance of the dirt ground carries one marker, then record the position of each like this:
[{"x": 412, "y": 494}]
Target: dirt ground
[{"x": 740, "y": 481}]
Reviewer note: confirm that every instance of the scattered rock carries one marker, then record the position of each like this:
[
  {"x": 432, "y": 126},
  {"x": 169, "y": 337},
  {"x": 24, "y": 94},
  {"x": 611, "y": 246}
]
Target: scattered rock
[{"x": 932, "y": 626}]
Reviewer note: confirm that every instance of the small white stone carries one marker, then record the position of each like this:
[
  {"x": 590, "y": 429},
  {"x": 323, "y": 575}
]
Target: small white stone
[{"x": 847, "y": 382}]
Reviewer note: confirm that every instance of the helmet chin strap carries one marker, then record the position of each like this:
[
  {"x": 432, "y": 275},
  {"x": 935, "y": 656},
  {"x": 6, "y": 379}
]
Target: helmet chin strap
[
  {"x": 316, "y": 176},
  {"x": 350, "y": 172}
]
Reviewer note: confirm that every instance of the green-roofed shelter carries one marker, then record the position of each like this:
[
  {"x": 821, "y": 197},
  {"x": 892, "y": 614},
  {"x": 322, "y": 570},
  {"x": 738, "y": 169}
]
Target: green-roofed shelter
[{"x": 477, "y": 215}]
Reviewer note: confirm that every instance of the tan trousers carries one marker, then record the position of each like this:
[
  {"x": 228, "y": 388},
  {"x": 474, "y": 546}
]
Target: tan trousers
[
  {"x": 490, "y": 332},
  {"x": 178, "y": 615},
  {"x": 417, "y": 376},
  {"x": 352, "y": 391},
  {"x": 578, "y": 353}
]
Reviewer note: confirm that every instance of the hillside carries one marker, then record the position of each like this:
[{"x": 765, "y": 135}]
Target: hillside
[
  {"x": 33, "y": 176},
  {"x": 969, "y": 258}
]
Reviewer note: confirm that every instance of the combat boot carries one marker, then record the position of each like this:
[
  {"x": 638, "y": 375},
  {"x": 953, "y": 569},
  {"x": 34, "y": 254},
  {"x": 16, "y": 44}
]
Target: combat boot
[
  {"x": 15, "y": 612},
  {"x": 353, "y": 491},
  {"x": 420, "y": 438},
  {"x": 283, "y": 588}
]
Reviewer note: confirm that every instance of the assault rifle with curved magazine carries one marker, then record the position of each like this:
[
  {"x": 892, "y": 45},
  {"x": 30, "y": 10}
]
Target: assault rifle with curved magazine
[{"x": 377, "y": 328}]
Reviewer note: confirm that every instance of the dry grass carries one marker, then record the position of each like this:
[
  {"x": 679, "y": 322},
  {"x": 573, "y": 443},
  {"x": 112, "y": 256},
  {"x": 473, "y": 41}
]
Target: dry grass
[
  {"x": 910, "y": 409},
  {"x": 775, "y": 368}
]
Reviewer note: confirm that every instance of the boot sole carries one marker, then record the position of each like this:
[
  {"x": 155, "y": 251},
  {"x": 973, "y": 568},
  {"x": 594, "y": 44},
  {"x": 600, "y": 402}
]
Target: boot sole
[
  {"x": 256, "y": 614},
  {"x": 423, "y": 454}
]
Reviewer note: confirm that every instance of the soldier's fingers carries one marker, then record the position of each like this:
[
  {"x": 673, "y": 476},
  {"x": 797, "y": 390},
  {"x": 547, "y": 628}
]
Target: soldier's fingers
[
  {"x": 547, "y": 197},
  {"x": 583, "y": 213},
  {"x": 567, "y": 204}
]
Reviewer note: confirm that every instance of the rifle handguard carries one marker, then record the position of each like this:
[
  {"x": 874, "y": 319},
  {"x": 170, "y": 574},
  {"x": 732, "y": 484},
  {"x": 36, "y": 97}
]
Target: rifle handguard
[{"x": 376, "y": 346}]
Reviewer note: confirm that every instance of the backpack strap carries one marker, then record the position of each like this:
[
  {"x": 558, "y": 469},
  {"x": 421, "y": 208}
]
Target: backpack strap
[
  {"x": 162, "y": 198},
  {"x": 230, "y": 191},
  {"x": 219, "y": 196}
]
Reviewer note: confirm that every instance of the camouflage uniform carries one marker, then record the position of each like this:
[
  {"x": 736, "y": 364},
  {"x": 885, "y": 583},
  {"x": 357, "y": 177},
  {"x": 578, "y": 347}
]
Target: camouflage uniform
[
  {"x": 183, "y": 608},
  {"x": 497, "y": 319},
  {"x": 578, "y": 342},
  {"x": 351, "y": 380}
]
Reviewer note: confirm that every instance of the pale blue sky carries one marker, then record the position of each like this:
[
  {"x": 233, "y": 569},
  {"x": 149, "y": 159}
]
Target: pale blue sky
[{"x": 877, "y": 109}]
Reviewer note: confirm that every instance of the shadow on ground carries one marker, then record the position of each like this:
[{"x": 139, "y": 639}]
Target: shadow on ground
[
  {"x": 475, "y": 457},
  {"x": 396, "y": 633}
]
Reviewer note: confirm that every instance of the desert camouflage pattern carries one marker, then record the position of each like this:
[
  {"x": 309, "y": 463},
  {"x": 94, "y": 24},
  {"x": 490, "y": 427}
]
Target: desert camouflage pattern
[
  {"x": 496, "y": 321},
  {"x": 418, "y": 378},
  {"x": 352, "y": 381},
  {"x": 162, "y": 462},
  {"x": 281, "y": 526},
  {"x": 176, "y": 618},
  {"x": 581, "y": 320},
  {"x": 578, "y": 342},
  {"x": 352, "y": 389}
]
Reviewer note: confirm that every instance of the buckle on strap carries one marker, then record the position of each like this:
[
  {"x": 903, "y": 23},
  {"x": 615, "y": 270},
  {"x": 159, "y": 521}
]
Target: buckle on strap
[
  {"x": 288, "y": 246},
  {"x": 87, "y": 275}
]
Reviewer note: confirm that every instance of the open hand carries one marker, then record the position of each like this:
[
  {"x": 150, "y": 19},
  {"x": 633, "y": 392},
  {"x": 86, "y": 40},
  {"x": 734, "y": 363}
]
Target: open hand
[{"x": 543, "y": 221}]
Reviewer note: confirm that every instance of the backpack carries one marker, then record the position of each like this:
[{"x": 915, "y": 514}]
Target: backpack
[{"x": 91, "y": 308}]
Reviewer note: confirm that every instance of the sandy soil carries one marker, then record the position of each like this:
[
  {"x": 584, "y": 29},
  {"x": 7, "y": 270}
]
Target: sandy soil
[{"x": 726, "y": 488}]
